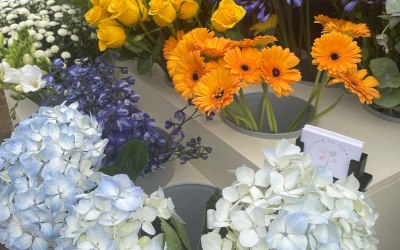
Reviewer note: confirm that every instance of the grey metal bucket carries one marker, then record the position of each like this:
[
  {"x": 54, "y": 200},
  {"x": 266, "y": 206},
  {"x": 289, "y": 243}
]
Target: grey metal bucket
[
  {"x": 285, "y": 108},
  {"x": 190, "y": 203},
  {"x": 381, "y": 115}
]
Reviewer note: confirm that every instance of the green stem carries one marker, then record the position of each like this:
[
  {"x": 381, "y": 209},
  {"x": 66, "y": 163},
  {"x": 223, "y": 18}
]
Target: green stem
[
  {"x": 140, "y": 45},
  {"x": 330, "y": 108},
  {"x": 247, "y": 110},
  {"x": 262, "y": 117},
  {"x": 237, "y": 118},
  {"x": 147, "y": 33},
  {"x": 324, "y": 81},
  {"x": 300, "y": 115},
  {"x": 273, "y": 126}
]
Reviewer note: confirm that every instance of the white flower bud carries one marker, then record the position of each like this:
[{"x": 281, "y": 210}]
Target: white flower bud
[
  {"x": 14, "y": 26},
  {"x": 62, "y": 32},
  {"x": 50, "y": 39},
  {"x": 54, "y": 49},
  {"x": 74, "y": 38},
  {"x": 27, "y": 59},
  {"x": 39, "y": 54},
  {"x": 65, "y": 55},
  {"x": 58, "y": 15},
  {"x": 19, "y": 88}
]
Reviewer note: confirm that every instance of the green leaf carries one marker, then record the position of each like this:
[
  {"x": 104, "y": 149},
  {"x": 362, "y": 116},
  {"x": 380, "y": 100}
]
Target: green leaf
[
  {"x": 397, "y": 46},
  {"x": 171, "y": 238},
  {"x": 389, "y": 82},
  {"x": 131, "y": 160},
  {"x": 144, "y": 65},
  {"x": 210, "y": 205},
  {"x": 159, "y": 45},
  {"x": 138, "y": 38},
  {"x": 389, "y": 98},
  {"x": 383, "y": 66},
  {"x": 392, "y": 6},
  {"x": 233, "y": 35},
  {"x": 181, "y": 231},
  {"x": 133, "y": 48}
]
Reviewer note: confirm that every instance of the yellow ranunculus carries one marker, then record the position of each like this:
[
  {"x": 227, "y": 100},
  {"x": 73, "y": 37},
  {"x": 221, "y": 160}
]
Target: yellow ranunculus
[
  {"x": 186, "y": 8},
  {"x": 110, "y": 34},
  {"x": 163, "y": 12},
  {"x": 95, "y": 15},
  {"x": 125, "y": 11},
  {"x": 227, "y": 15}
]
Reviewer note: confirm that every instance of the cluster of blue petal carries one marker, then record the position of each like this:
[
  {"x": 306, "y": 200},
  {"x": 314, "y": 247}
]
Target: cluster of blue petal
[{"x": 114, "y": 104}]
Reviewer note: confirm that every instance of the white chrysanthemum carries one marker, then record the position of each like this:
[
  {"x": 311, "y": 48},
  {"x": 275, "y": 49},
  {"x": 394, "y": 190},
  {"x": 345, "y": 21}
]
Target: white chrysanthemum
[
  {"x": 290, "y": 204},
  {"x": 66, "y": 23},
  {"x": 116, "y": 215},
  {"x": 48, "y": 161}
]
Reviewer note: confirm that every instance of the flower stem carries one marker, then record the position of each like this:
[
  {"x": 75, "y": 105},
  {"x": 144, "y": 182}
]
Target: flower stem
[
  {"x": 324, "y": 81},
  {"x": 248, "y": 111},
  {"x": 330, "y": 108},
  {"x": 147, "y": 33},
  {"x": 269, "y": 109},
  {"x": 300, "y": 115}
]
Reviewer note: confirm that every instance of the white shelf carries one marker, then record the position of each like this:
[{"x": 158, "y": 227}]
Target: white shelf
[{"x": 232, "y": 149}]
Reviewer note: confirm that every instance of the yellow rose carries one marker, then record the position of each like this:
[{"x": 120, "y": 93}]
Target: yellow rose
[
  {"x": 163, "y": 12},
  {"x": 125, "y": 11},
  {"x": 95, "y": 15},
  {"x": 103, "y": 3},
  {"x": 110, "y": 34},
  {"x": 227, "y": 15},
  {"x": 186, "y": 8},
  {"x": 143, "y": 10}
]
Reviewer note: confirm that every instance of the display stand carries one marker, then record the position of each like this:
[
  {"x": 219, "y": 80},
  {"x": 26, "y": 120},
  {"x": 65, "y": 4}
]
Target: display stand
[{"x": 356, "y": 167}]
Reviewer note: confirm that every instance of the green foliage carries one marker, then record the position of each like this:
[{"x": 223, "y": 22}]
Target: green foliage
[
  {"x": 182, "y": 233},
  {"x": 210, "y": 205},
  {"x": 171, "y": 237},
  {"x": 386, "y": 71},
  {"x": 21, "y": 46},
  {"x": 131, "y": 160},
  {"x": 390, "y": 98}
]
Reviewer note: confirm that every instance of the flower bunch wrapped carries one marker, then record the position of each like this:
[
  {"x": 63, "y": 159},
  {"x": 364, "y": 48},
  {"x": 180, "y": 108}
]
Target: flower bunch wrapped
[
  {"x": 114, "y": 105},
  {"x": 289, "y": 204},
  {"x": 58, "y": 29},
  {"x": 119, "y": 215},
  {"x": 47, "y": 162}
]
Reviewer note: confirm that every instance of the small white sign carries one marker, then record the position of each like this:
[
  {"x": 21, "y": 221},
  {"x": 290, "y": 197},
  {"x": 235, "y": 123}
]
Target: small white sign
[{"x": 330, "y": 149}]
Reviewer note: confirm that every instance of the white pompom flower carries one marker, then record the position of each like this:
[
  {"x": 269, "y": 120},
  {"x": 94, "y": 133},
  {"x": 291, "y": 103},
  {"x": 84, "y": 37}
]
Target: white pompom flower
[
  {"x": 290, "y": 204},
  {"x": 43, "y": 167}
]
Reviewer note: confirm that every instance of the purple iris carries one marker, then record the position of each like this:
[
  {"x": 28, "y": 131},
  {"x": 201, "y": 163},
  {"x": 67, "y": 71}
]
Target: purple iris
[
  {"x": 258, "y": 7},
  {"x": 349, "y": 5}
]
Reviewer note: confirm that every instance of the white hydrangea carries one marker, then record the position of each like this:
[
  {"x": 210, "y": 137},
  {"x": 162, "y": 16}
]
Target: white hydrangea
[
  {"x": 42, "y": 17},
  {"x": 289, "y": 204},
  {"x": 48, "y": 161},
  {"x": 29, "y": 77},
  {"x": 116, "y": 215}
]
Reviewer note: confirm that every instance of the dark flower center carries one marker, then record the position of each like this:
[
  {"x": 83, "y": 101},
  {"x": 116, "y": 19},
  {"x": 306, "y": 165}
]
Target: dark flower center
[
  {"x": 195, "y": 76},
  {"x": 219, "y": 94},
  {"x": 244, "y": 67},
  {"x": 334, "y": 56},
  {"x": 276, "y": 72}
]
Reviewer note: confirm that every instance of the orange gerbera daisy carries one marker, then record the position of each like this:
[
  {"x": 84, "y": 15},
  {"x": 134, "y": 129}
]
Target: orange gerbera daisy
[
  {"x": 348, "y": 28},
  {"x": 257, "y": 41},
  {"x": 216, "y": 46},
  {"x": 276, "y": 65},
  {"x": 215, "y": 90},
  {"x": 244, "y": 63},
  {"x": 188, "y": 73},
  {"x": 322, "y": 19},
  {"x": 357, "y": 82},
  {"x": 336, "y": 53},
  {"x": 211, "y": 65},
  {"x": 181, "y": 49},
  {"x": 171, "y": 43},
  {"x": 198, "y": 35}
]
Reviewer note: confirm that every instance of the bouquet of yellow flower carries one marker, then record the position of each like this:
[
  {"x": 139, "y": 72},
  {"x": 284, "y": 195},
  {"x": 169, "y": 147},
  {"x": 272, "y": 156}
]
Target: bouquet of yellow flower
[{"x": 212, "y": 71}]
